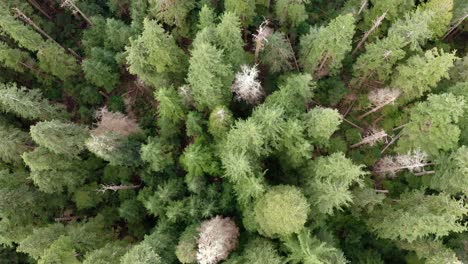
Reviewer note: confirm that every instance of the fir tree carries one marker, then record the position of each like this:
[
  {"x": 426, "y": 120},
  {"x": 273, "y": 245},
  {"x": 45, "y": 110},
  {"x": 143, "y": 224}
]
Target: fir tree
[
  {"x": 61, "y": 251},
  {"x": 229, "y": 40},
  {"x": 15, "y": 59},
  {"x": 291, "y": 13},
  {"x": 154, "y": 56},
  {"x": 28, "y": 104},
  {"x": 220, "y": 121},
  {"x": 60, "y": 138},
  {"x": 329, "y": 180},
  {"x": 244, "y": 9},
  {"x": 173, "y": 13},
  {"x": 101, "y": 69},
  {"x": 276, "y": 53},
  {"x": 110, "y": 253},
  {"x": 186, "y": 250},
  {"x": 452, "y": 174},
  {"x": 25, "y": 36},
  {"x": 281, "y": 211},
  {"x": 421, "y": 73},
  {"x": 321, "y": 123},
  {"x": 158, "y": 154},
  {"x": 432, "y": 127},
  {"x": 443, "y": 13},
  {"x": 209, "y": 77},
  {"x": 54, "y": 60},
  {"x": 324, "y": 48},
  {"x": 14, "y": 143},
  {"x": 416, "y": 215}
]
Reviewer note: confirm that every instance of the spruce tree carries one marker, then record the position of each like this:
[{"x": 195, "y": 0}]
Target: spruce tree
[
  {"x": 25, "y": 36},
  {"x": 323, "y": 49},
  {"x": 28, "y": 104}
]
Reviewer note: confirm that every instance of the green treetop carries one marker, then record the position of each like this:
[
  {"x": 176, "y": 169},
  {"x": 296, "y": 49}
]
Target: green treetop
[
  {"x": 15, "y": 59},
  {"x": 324, "y": 48},
  {"x": 416, "y": 215},
  {"x": 414, "y": 28},
  {"x": 291, "y": 13},
  {"x": 25, "y": 36},
  {"x": 432, "y": 128},
  {"x": 220, "y": 121},
  {"x": 229, "y": 39},
  {"x": 452, "y": 174},
  {"x": 432, "y": 251},
  {"x": 60, "y": 138},
  {"x": 53, "y": 59},
  {"x": 245, "y": 9},
  {"x": 101, "y": 69},
  {"x": 14, "y": 143},
  {"x": 209, "y": 77},
  {"x": 321, "y": 123},
  {"x": 329, "y": 180},
  {"x": 173, "y": 13},
  {"x": 109, "y": 254},
  {"x": 28, "y": 104},
  {"x": 276, "y": 53},
  {"x": 421, "y": 73},
  {"x": 154, "y": 55},
  {"x": 61, "y": 251},
  {"x": 257, "y": 251},
  {"x": 443, "y": 13},
  {"x": 281, "y": 211}
]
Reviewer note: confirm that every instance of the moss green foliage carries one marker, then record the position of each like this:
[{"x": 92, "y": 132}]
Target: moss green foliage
[
  {"x": 234, "y": 131},
  {"x": 281, "y": 211},
  {"x": 432, "y": 127}
]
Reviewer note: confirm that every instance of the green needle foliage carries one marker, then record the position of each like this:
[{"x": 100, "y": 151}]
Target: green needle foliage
[{"x": 234, "y": 131}]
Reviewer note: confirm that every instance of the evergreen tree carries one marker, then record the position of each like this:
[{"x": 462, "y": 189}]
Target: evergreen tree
[
  {"x": 173, "y": 13},
  {"x": 40, "y": 240},
  {"x": 117, "y": 34},
  {"x": 15, "y": 59},
  {"x": 14, "y": 143},
  {"x": 61, "y": 138},
  {"x": 416, "y": 215},
  {"x": 281, "y": 211},
  {"x": 321, "y": 123},
  {"x": 414, "y": 28},
  {"x": 421, "y": 73},
  {"x": 229, "y": 39},
  {"x": 452, "y": 174},
  {"x": 101, "y": 69},
  {"x": 209, "y": 77},
  {"x": 323, "y": 49},
  {"x": 220, "y": 121},
  {"x": 432, "y": 251},
  {"x": 61, "y": 251},
  {"x": 158, "y": 154},
  {"x": 244, "y": 9},
  {"x": 432, "y": 125},
  {"x": 28, "y": 104},
  {"x": 25, "y": 36},
  {"x": 186, "y": 250},
  {"x": 328, "y": 182},
  {"x": 154, "y": 56},
  {"x": 443, "y": 13},
  {"x": 110, "y": 253},
  {"x": 258, "y": 251},
  {"x": 291, "y": 13},
  {"x": 276, "y": 53},
  {"x": 206, "y": 17},
  {"x": 54, "y": 60}
]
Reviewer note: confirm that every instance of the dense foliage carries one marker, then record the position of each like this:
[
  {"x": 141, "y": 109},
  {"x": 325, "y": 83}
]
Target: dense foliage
[{"x": 235, "y": 131}]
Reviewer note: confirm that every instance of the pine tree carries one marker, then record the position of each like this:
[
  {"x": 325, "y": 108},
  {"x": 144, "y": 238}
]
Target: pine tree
[
  {"x": 28, "y": 104},
  {"x": 291, "y": 13},
  {"x": 61, "y": 138},
  {"x": 432, "y": 126},
  {"x": 421, "y": 73},
  {"x": 323, "y": 49},
  {"x": 209, "y": 77},
  {"x": 452, "y": 174},
  {"x": 244, "y": 9},
  {"x": 281, "y": 211},
  {"x": 328, "y": 182},
  {"x": 416, "y": 216},
  {"x": 321, "y": 123},
  {"x": 14, "y": 143},
  {"x": 154, "y": 56}
]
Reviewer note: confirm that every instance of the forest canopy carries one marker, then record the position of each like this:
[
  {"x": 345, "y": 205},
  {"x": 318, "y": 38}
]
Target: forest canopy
[{"x": 233, "y": 131}]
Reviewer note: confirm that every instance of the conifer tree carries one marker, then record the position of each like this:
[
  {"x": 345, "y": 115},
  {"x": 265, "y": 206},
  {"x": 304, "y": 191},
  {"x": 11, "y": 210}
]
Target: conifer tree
[
  {"x": 173, "y": 13},
  {"x": 61, "y": 251},
  {"x": 416, "y": 216},
  {"x": 421, "y": 73},
  {"x": 324, "y": 48},
  {"x": 186, "y": 250},
  {"x": 25, "y": 36},
  {"x": 110, "y": 253},
  {"x": 244, "y": 9},
  {"x": 291, "y": 13},
  {"x": 305, "y": 248},
  {"x": 14, "y": 143},
  {"x": 206, "y": 17},
  {"x": 154, "y": 56},
  {"x": 217, "y": 238},
  {"x": 61, "y": 138},
  {"x": 40, "y": 240},
  {"x": 414, "y": 28},
  {"x": 28, "y": 104},
  {"x": 117, "y": 34},
  {"x": 54, "y": 60},
  {"x": 209, "y": 77},
  {"x": 452, "y": 174},
  {"x": 432, "y": 127},
  {"x": 229, "y": 39},
  {"x": 321, "y": 123},
  {"x": 281, "y": 211},
  {"x": 276, "y": 53},
  {"x": 101, "y": 69},
  {"x": 328, "y": 182},
  {"x": 171, "y": 112},
  {"x": 220, "y": 121},
  {"x": 158, "y": 154},
  {"x": 443, "y": 13},
  {"x": 432, "y": 251},
  {"x": 15, "y": 59},
  {"x": 295, "y": 149}
]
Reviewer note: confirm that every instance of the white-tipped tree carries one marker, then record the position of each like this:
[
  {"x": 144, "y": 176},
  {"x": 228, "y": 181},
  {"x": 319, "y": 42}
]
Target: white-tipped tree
[
  {"x": 380, "y": 98},
  {"x": 246, "y": 85},
  {"x": 217, "y": 238},
  {"x": 413, "y": 161},
  {"x": 372, "y": 137}
]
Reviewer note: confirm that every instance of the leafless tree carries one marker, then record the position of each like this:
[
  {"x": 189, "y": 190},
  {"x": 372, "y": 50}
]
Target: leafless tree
[
  {"x": 260, "y": 38},
  {"x": 373, "y": 136},
  {"x": 414, "y": 161},
  {"x": 217, "y": 238},
  {"x": 106, "y": 187},
  {"x": 246, "y": 85},
  {"x": 75, "y": 10},
  {"x": 380, "y": 98}
]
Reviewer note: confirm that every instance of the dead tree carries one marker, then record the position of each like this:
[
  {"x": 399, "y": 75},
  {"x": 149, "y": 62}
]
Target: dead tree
[
  {"x": 105, "y": 187},
  {"x": 414, "y": 161},
  {"x": 70, "y": 4},
  {"x": 380, "y": 98}
]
